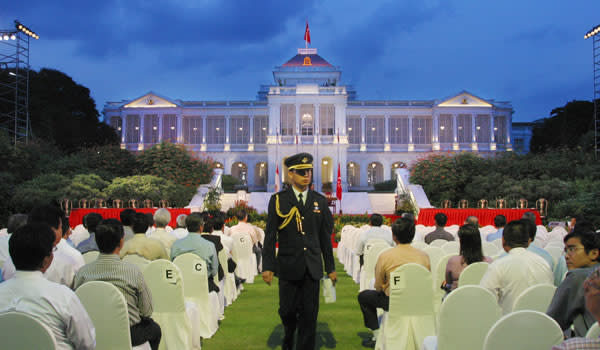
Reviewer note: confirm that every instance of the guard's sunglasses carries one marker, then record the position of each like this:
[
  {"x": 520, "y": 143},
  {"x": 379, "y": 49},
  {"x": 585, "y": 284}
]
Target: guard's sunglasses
[{"x": 302, "y": 172}]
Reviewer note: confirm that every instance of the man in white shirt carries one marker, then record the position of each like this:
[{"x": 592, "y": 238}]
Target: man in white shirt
[
  {"x": 375, "y": 232},
  {"x": 55, "y": 305},
  {"x": 14, "y": 222},
  {"x": 67, "y": 260},
  {"x": 162, "y": 217},
  {"x": 180, "y": 231},
  {"x": 126, "y": 217},
  {"x": 509, "y": 276},
  {"x": 255, "y": 234},
  {"x": 217, "y": 229}
]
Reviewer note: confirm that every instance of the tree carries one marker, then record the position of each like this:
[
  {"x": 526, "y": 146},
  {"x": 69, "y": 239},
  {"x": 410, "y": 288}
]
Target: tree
[
  {"x": 568, "y": 126},
  {"x": 64, "y": 113}
]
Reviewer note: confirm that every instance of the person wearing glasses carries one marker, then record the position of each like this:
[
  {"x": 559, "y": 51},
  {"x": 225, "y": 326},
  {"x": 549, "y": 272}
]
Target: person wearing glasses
[
  {"x": 582, "y": 251},
  {"x": 300, "y": 221}
]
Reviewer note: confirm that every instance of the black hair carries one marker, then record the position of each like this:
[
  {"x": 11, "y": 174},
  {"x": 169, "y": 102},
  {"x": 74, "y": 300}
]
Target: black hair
[
  {"x": 583, "y": 225},
  {"x": 470, "y": 243},
  {"x": 139, "y": 223},
  {"x": 531, "y": 228},
  {"x": 218, "y": 221},
  {"x": 65, "y": 225},
  {"x": 194, "y": 222},
  {"x": 47, "y": 214},
  {"x": 440, "y": 219},
  {"x": 404, "y": 230},
  {"x": 376, "y": 220},
  {"x": 30, "y": 244},
  {"x": 15, "y": 221},
  {"x": 516, "y": 234},
  {"x": 500, "y": 221},
  {"x": 241, "y": 214},
  {"x": 126, "y": 217},
  {"x": 109, "y": 233},
  {"x": 589, "y": 240},
  {"x": 91, "y": 220}
]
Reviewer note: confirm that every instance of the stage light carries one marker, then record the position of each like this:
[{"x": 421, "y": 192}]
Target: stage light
[{"x": 26, "y": 30}]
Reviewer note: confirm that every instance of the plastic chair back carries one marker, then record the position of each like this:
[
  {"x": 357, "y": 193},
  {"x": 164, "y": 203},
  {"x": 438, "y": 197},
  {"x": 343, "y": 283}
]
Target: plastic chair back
[
  {"x": 525, "y": 329},
  {"x": 21, "y": 331},
  {"x": 372, "y": 252},
  {"x": 435, "y": 254},
  {"x": 90, "y": 256},
  {"x": 451, "y": 247},
  {"x": 107, "y": 309},
  {"x": 243, "y": 256},
  {"x": 594, "y": 331},
  {"x": 490, "y": 249},
  {"x": 438, "y": 242},
  {"x": 555, "y": 252},
  {"x": 419, "y": 245},
  {"x": 472, "y": 274},
  {"x": 537, "y": 297},
  {"x": 137, "y": 260}
]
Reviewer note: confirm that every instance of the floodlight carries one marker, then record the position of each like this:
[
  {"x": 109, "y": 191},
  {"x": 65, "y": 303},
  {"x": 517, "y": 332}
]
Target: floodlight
[{"x": 25, "y": 30}]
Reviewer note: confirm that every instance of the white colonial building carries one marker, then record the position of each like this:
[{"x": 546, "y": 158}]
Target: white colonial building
[{"x": 309, "y": 109}]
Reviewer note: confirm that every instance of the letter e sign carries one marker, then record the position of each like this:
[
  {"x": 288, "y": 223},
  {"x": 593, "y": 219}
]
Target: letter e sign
[{"x": 170, "y": 276}]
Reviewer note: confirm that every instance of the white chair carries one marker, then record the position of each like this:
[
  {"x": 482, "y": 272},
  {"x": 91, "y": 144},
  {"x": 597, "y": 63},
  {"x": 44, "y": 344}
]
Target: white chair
[
  {"x": 555, "y": 252},
  {"x": 498, "y": 243},
  {"x": 537, "y": 297},
  {"x": 594, "y": 331},
  {"x": 435, "y": 254},
  {"x": 411, "y": 315},
  {"x": 243, "y": 256},
  {"x": 170, "y": 310},
  {"x": 90, "y": 256},
  {"x": 137, "y": 260},
  {"x": 107, "y": 309},
  {"x": 523, "y": 330},
  {"x": 371, "y": 253},
  {"x": 472, "y": 274},
  {"x": 451, "y": 247},
  {"x": 419, "y": 245},
  {"x": 462, "y": 326},
  {"x": 21, "y": 331},
  {"x": 489, "y": 249},
  {"x": 438, "y": 242},
  {"x": 438, "y": 278},
  {"x": 229, "y": 290},
  {"x": 195, "y": 289}
]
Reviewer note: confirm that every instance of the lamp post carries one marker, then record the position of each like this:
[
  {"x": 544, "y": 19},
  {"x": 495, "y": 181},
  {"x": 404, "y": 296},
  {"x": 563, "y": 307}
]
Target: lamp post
[{"x": 592, "y": 33}]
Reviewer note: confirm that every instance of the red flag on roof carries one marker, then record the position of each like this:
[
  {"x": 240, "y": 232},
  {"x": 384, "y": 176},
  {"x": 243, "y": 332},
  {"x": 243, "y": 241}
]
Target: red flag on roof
[
  {"x": 307, "y": 34},
  {"x": 338, "y": 187}
]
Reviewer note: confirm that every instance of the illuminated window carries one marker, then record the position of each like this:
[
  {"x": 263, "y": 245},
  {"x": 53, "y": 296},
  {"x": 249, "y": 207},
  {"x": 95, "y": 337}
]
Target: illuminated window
[{"x": 192, "y": 130}]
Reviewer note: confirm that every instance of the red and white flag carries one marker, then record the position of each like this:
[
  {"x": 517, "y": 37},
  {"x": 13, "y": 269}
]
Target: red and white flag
[
  {"x": 277, "y": 180},
  {"x": 338, "y": 187},
  {"x": 307, "y": 34}
]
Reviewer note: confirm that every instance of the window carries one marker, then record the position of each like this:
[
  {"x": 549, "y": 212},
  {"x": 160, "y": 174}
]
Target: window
[
  {"x": 354, "y": 132},
  {"x": 192, "y": 130},
  {"x": 353, "y": 171},
  {"x": 288, "y": 119},
  {"x": 464, "y": 130},
  {"x": 169, "y": 128},
  {"x": 421, "y": 127},
  {"x": 260, "y": 129},
  {"x": 398, "y": 130},
  {"x": 375, "y": 130},
  {"x": 482, "y": 128},
  {"x": 500, "y": 129},
  {"x": 151, "y": 128},
  {"x": 133, "y": 128},
  {"x": 307, "y": 122},
  {"x": 117, "y": 124},
  {"x": 215, "y": 130},
  {"x": 327, "y": 119},
  {"x": 239, "y": 130},
  {"x": 446, "y": 128}
]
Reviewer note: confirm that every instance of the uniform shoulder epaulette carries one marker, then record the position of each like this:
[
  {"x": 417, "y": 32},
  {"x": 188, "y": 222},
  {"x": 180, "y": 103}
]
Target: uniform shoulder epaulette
[{"x": 319, "y": 194}]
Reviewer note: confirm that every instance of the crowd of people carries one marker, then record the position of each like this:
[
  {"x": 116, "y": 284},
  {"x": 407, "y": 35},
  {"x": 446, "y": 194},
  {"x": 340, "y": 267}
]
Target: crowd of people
[{"x": 43, "y": 264}]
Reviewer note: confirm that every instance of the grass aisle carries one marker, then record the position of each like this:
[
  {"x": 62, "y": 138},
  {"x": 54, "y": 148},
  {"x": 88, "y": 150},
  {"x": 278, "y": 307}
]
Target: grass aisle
[{"x": 252, "y": 321}]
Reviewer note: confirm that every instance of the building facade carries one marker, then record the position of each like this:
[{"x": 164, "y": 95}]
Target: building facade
[{"x": 309, "y": 109}]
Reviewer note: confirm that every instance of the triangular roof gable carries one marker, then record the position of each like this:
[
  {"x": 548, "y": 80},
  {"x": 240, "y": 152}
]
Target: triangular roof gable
[
  {"x": 465, "y": 99},
  {"x": 150, "y": 100}
]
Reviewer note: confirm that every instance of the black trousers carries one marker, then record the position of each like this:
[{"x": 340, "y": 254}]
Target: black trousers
[
  {"x": 299, "y": 308},
  {"x": 146, "y": 331},
  {"x": 369, "y": 300}
]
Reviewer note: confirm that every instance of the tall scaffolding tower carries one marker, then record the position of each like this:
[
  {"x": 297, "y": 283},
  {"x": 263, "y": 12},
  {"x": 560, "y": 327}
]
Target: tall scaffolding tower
[
  {"x": 596, "y": 56},
  {"x": 14, "y": 82}
]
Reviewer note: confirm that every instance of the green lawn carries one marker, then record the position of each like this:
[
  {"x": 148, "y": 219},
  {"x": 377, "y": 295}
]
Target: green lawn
[{"x": 252, "y": 321}]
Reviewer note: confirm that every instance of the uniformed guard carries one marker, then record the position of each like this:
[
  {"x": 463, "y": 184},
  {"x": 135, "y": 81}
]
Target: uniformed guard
[{"x": 300, "y": 220}]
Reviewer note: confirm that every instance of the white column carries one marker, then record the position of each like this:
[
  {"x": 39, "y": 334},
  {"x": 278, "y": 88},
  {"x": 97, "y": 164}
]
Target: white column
[
  {"x": 363, "y": 127},
  {"x": 386, "y": 130},
  {"x": 179, "y": 128},
  {"x": 203, "y": 145},
  {"x": 492, "y": 133},
  {"x": 227, "y": 146},
  {"x": 123, "y": 128},
  {"x": 317, "y": 124},
  {"x": 251, "y": 133},
  {"x": 455, "y": 145},
  {"x": 298, "y": 117},
  {"x": 436, "y": 131},
  {"x": 141, "y": 139},
  {"x": 160, "y": 128},
  {"x": 474, "y": 132},
  {"x": 411, "y": 145}
]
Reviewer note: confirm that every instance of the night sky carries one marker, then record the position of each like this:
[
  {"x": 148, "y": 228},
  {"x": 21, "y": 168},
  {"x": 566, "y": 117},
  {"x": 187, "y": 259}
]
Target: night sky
[{"x": 530, "y": 52}]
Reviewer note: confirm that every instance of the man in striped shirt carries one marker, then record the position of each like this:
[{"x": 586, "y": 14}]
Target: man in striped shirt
[{"x": 127, "y": 278}]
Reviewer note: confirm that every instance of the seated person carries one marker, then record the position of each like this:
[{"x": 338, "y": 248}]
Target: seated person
[
  {"x": 127, "y": 278},
  {"x": 499, "y": 222},
  {"x": 162, "y": 217},
  {"x": 126, "y": 217},
  {"x": 375, "y": 232},
  {"x": 439, "y": 232},
  {"x": 470, "y": 252},
  {"x": 90, "y": 221},
  {"x": 568, "y": 304},
  {"x": 55, "y": 305},
  {"x": 140, "y": 244},
  {"x": 591, "y": 289},
  {"x": 403, "y": 253}
]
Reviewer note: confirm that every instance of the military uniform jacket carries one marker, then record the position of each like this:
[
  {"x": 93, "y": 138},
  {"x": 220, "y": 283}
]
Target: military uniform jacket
[{"x": 299, "y": 252}]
